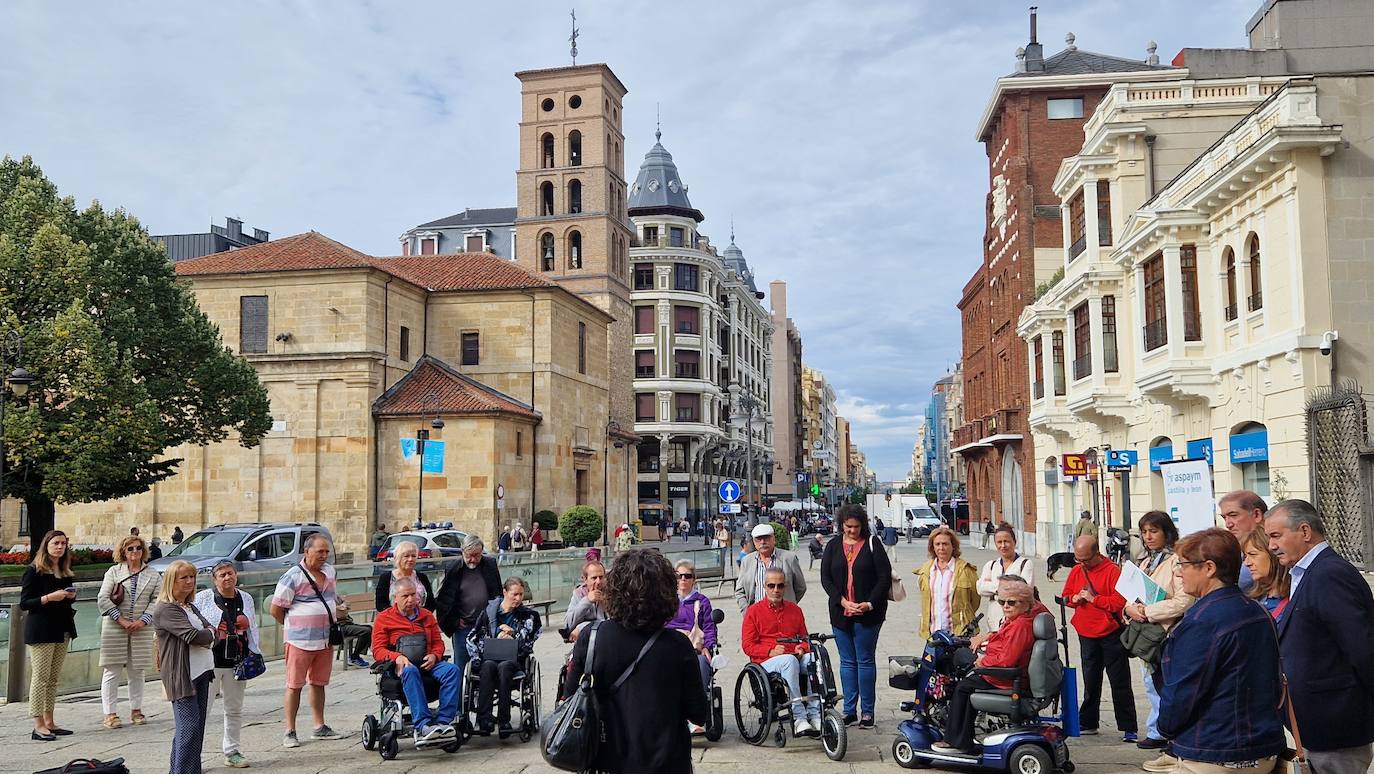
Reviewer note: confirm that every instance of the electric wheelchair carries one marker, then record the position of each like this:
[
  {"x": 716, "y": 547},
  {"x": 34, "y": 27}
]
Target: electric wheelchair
[
  {"x": 763, "y": 701},
  {"x": 383, "y": 731}
]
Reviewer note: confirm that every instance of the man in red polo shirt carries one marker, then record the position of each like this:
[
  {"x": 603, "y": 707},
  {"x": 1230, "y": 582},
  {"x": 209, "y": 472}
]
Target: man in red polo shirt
[
  {"x": 765, "y": 622},
  {"x": 1091, "y": 591}
]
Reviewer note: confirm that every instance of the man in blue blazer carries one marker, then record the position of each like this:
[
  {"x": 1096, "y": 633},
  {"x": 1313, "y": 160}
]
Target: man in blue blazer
[{"x": 1326, "y": 640}]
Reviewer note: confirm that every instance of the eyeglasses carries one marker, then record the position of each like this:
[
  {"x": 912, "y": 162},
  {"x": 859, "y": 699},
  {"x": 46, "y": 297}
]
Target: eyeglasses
[
  {"x": 1005, "y": 602},
  {"x": 1182, "y": 563},
  {"x": 686, "y": 575},
  {"x": 134, "y": 548},
  {"x": 775, "y": 585}
]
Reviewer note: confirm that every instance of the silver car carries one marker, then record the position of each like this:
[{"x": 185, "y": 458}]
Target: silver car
[{"x": 251, "y": 547}]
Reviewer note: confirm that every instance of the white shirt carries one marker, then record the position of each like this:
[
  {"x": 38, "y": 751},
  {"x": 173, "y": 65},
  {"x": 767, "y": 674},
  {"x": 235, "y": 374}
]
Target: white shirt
[
  {"x": 941, "y": 589},
  {"x": 1300, "y": 569},
  {"x": 987, "y": 583}
]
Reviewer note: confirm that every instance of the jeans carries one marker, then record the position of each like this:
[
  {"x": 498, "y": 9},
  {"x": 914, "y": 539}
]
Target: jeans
[
  {"x": 705, "y": 664},
  {"x": 858, "y": 667},
  {"x": 460, "y": 647},
  {"x": 1106, "y": 654},
  {"x": 1151, "y": 720},
  {"x": 496, "y": 677},
  {"x": 232, "y": 691},
  {"x": 789, "y": 668},
  {"x": 450, "y": 680},
  {"x": 359, "y": 637}
]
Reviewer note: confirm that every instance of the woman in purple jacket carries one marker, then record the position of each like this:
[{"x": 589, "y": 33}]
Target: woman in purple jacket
[{"x": 693, "y": 615}]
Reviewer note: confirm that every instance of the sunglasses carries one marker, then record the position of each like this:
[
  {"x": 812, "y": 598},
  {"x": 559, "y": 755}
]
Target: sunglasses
[
  {"x": 775, "y": 585},
  {"x": 134, "y": 548},
  {"x": 686, "y": 575},
  {"x": 1005, "y": 602}
]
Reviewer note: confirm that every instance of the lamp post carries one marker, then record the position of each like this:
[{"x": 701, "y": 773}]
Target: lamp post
[
  {"x": 11, "y": 353},
  {"x": 431, "y": 406},
  {"x": 750, "y": 407},
  {"x": 612, "y": 427}
]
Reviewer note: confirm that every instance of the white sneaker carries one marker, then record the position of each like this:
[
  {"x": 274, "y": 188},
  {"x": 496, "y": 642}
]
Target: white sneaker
[
  {"x": 801, "y": 727},
  {"x": 815, "y": 725}
]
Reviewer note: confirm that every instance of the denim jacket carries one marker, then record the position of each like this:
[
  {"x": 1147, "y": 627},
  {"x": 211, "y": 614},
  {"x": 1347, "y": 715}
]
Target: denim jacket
[{"x": 1220, "y": 697}]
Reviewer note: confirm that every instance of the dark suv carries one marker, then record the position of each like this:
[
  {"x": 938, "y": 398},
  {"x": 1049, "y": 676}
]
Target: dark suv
[{"x": 251, "y": 547}]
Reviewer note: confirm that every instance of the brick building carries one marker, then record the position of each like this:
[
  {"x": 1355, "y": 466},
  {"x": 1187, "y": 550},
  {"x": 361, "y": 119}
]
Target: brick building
[{"x": 1033, "y": 121}]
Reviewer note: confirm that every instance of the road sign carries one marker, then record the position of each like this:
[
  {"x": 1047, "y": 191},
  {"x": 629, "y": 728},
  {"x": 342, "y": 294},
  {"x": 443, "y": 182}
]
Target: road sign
[
  {"x": 729, "y": 491},
  {"x": 729, "y": 508},
  {"x": 1074, "y": 464}
]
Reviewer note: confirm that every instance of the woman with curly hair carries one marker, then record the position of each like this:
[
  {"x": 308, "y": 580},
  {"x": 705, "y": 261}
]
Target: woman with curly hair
[{"x": 647, "y": 718}]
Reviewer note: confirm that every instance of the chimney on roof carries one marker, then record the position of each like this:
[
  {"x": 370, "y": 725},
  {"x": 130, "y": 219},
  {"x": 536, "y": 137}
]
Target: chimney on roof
[
  {"x": 234, "y": 227},
  {"x": 1153, "y": 58},
  {"x": 1034, "y": 61},
  {"x": 260, "y": 235}
]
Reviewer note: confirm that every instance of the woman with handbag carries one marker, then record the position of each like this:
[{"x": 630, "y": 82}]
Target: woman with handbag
[
  {"x": 125, "y": 601},
  {"x": 1158, "y": 533},
  {"x": 1007, "y": 562},
  {"x": 46, "y": 594},
  {"x": 857, "y": 576},
  {"x": 184, "y": 638},
  {"x": 694, "y": 619},
  {"x": 237, "y": 651}
]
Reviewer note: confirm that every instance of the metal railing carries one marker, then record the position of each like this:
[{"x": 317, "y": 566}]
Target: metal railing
[
  {"x": 1231, "y": 312},
  {"x": 1256, "y": 301},
  {"x": 1082, "y": 366},
  {"x": 1038, "y": 389},
  {"x": 1156, "y": 334}
]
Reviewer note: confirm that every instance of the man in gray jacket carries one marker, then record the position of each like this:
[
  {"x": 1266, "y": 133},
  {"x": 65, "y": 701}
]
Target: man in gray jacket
[{"x": 767, "y": 556}]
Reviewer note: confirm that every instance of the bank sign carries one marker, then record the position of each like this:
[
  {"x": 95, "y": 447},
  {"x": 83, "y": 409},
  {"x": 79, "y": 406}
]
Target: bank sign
[{"x": 1250, "y": 447}]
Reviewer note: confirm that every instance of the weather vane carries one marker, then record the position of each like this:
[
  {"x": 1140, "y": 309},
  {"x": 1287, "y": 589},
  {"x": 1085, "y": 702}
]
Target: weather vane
[{"x": 573, "y": 38}]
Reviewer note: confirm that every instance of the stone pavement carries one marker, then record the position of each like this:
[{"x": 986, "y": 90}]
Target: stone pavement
[{"x": 352, "y": 696}]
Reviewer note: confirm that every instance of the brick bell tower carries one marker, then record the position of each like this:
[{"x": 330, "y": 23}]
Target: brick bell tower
[{"x": 571, "y": 223}]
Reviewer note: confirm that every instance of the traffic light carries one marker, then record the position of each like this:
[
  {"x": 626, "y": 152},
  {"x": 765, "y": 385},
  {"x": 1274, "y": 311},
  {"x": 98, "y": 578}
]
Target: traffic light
[{"x": 815, "y": 489}]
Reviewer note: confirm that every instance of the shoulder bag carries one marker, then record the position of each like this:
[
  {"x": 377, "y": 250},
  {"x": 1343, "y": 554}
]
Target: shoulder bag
[
  {"x": 1143, "y": 640},
  {"x": 89, "y": 766},
  {"x": 696, "y": 636},
  {"x": 896, "y": 592},
  {"x": 335, "y": 631},
  {"x": 119, "y": 592},
  {"x": 1292, "y": 761}
]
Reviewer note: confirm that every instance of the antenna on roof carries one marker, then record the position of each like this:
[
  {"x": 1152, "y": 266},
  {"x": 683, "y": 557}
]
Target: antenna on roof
[
  {"x": 658, "y": 123},
  {"x": 573, "y": 38},
  {"x": 732, "y": 228}
]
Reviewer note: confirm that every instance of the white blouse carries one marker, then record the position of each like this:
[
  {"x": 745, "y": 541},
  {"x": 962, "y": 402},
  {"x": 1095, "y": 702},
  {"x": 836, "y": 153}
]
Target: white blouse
[{"x": 987, "y": 583}]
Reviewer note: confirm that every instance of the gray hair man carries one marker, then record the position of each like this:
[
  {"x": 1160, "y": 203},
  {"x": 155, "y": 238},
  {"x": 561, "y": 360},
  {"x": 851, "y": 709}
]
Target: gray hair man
[
  {"x": 749, "y": 586},
  {"x": 406, "y": 617},
  {"x": 1242, "y": 511},
  {"x": 469, "y": 585},
  {"x": 765, "y": 623}
]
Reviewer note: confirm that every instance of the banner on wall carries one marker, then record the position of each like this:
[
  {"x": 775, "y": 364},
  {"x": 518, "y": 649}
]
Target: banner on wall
[
  {"x": 1188, "y": 495},
  {"x": 434, "y": 454}
]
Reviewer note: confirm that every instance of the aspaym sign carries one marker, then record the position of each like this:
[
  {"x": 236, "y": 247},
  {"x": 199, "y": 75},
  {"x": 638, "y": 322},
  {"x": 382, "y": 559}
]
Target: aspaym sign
[{"x": 1188, "y": 494}]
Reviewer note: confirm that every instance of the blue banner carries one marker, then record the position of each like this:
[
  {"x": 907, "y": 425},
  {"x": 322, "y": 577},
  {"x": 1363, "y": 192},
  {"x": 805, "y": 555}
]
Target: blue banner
[
  {"x": 434, "y": 454},
  {"x": 1200, "y": 449},
  {"x": 1160, "y": 454},
  {"x": 1250, "y": 447}
]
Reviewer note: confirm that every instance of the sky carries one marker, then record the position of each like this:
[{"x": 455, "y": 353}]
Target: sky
[{"x": 838, "y": 135}]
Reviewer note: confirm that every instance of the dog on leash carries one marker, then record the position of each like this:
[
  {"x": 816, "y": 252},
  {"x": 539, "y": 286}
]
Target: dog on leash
[{"x": 1057, "y": 562}]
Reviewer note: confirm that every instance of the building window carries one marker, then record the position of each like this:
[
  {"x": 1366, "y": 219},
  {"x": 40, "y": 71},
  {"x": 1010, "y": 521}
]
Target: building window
[
  {"x": 546, "y": 156},
  {"x": 1192, "y": 312},
  {"x": 405, "y": 246},
  {"x": 1077, "y": 226},
  {"x": 546, "y": 198},
  {"x": 1109, "y": 364},
  {"x": 1256, "y": 283},
  {"x": 644, "y": 412},
  {"x": 644, "y": 364},
  {"x": 574, "y": 148},
  {"x": 651, "y": 236},
  {"x": 685, "y": 277},
  {"x": 546, "y": 260},
  {"x": 675, "y": 237},
  {"x": 23, "y": 519},
  {"x": 582, "y": 348},
  {"x": 519, "y": 444},
  {"x": 1104, "y": 213},
  {"x": 1068, "y": 107},
  {"x": 687, "y": 319},
  {"x": 252, "y": 324},
  {"x": 1038, "y": 388},
  {"x": 429, "y": 245},
  {"x": 1231, "y": 305},
  {"x": 644, "y": 319},
  {"x": 688, "y": 406},
  {"x": 574, "y": 196},
  {"x": 1156, "y": 325},
  {"x": 471, "y": 349},
  {"x": 405, "y": 343},
  {"x": 474, "y": 243},
  {"x": 575, "y": 250},
  {"x": 644, "y": 276},
  {"x": 1057, "y": 355},
  {"x": 1082, "y": 342},
  {"x": 687, "y": 364}
]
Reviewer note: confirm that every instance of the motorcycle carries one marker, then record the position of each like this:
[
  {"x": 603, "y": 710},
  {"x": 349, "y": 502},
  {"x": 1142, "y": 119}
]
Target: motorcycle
[{"x": 1118, "y": 545}]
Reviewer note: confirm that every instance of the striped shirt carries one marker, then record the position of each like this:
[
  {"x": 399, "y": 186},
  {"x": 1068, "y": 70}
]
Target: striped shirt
[{"x": 307, "y": 617}]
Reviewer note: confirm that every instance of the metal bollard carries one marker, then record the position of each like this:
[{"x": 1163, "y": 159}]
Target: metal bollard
[{"x": 14, "y": 681}]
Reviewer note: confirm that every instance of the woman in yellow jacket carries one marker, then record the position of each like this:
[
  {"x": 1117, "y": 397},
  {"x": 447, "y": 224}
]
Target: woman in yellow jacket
[{"x": 948, "y": 585}]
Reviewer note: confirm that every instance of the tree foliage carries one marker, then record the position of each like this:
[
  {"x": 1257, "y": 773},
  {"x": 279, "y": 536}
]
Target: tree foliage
[
  {"x": 580, "y": 525},
  {"x": 859, "y": 496},
  {"x": 126, "y": 365},
  {"x": 546, "y": 519},
  {"x": 915, "y": 487}
]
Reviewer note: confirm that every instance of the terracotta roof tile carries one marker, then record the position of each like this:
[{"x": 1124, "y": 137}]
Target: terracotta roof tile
[
  {"x": 461, "y": 271},
  {"x": 453, "y": 395},
  {"x": 311, "y": 250}
]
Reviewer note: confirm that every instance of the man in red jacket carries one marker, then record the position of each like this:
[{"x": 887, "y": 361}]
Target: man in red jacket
[
  {"x": 1091, "y": 591},
  {"x": 407, "y": 617},
  {"x": 765, "y": 622}
]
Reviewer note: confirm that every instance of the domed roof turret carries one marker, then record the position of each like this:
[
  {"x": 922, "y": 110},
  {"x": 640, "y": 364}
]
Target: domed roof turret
[
  {"x": 733, "y": 258},
  {"x": 658, "y": 189}
]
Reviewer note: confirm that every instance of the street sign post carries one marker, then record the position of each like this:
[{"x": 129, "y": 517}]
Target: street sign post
[
  {"x": 729, "y": 491},
  {"x": 729, "y": 507}
]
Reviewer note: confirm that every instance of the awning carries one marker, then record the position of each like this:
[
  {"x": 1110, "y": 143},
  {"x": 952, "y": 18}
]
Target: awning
[
  {"x": 983, "y": 444},
  {"x": 1002, "y": 438}
]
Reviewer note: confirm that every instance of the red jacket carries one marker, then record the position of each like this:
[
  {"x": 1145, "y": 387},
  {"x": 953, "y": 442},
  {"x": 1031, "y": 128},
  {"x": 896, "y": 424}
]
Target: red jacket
[
  {"x": 1010, "y": 646},
  {"x": 1102, "y": 616},
  {"x": 390, "y": 625},
  {"x": 764, "y": 624}
]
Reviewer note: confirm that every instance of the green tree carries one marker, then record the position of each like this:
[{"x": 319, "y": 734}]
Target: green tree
[
  {"x": 859, "y": 496},
  {"x": 546, "y": 519},
  {"x": 914, "y": 487},
  {"x": 581, "y": 525},
  {"x": 126, "y": 365}
]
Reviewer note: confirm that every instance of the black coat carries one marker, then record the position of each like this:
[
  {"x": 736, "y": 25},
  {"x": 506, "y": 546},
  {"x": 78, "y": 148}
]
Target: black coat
[
  {"x": 50, "y": 622},
  {"x": 447, "y": 603},
  {"x": 383, "y": 598},
  {"x": 872, "y": 579},
  {"x": 1326, "y": 641},
  {"x": 646, "y": 720}
]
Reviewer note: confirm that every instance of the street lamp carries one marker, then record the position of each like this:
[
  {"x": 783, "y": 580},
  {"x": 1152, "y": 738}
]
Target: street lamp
[
  {"x": 750, "y": 407},
  {"x": 11, "y": 352},
  {"x": 612, "y": 427},
  {"x": 431, "y": 405}
]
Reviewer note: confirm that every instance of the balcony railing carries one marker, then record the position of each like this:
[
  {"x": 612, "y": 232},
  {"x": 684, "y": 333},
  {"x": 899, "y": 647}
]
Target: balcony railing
[
  {"x": 1156, "y": 335},
  {"x": 644, "y": 372},
  {"x": 1038, "y": 389},
  {"x": 1256, "y": 301},
  {"x": 1076, "y": 249},
  {"x": 687, "y": 328},
  {"x": 1231, "y": 312},
  {"x": 1082, "y": 366},
  {"x": 686, "y": 415}
]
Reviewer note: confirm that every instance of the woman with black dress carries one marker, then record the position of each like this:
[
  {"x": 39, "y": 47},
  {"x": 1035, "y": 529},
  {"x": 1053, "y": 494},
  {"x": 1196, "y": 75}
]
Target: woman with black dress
[
  {"x": 856, "y": 578},
  {"x": 404, "y": 556},
  {"x": 647, "y": 719},
  {"x": 46, "y": 595}
]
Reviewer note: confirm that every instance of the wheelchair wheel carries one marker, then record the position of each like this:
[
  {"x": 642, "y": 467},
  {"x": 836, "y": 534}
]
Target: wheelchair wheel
[
  {"x": 715, "y": 724},
  {"x": 452, "y": 747},
  {"x": 1030, "y": 758},
  {"x": 834, "y": 736},
  {"x": 905, "y": 754},
  {"x": 390, "y": 748},
  {"x": 369, "y": 733},
  {"x": 753, "y": 704}
]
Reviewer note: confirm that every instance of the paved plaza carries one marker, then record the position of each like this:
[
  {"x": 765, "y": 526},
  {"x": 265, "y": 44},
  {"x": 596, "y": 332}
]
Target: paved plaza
[{"x": 351, "y": 696}]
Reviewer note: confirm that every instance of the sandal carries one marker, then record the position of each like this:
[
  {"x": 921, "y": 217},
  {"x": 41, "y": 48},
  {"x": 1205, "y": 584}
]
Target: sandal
[
  {"x": 111, "y": 721},
  {"x": 137, "y": 718}
]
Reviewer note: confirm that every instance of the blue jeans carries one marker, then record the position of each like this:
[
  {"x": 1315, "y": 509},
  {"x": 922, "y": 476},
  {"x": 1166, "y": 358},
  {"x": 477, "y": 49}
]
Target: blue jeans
[
  {"x": 460, "y": 648},
  {"x": 450, "y": 679},
  {"x": 858, "y": 667},
  {"x": 1152, "y": 720}
]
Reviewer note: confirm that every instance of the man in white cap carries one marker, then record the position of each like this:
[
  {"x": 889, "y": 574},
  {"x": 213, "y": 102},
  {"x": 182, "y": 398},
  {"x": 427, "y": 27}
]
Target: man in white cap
[{"x": 749, "y": 586}]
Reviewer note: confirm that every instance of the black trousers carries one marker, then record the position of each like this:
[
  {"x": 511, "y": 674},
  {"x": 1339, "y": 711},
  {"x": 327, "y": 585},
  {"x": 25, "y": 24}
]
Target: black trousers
[
  {"x": 494, "y": 675},
  {"x": 1099, "y": 654},
  {"x": 360, "y": 636},
  {"x": 959, "y": 724}
]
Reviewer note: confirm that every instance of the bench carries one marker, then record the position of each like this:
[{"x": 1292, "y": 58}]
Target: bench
[
  {"x": 360, "y": 610},
  {"x": 544, "y": 605},
  {"x": 714, "y": 573}
]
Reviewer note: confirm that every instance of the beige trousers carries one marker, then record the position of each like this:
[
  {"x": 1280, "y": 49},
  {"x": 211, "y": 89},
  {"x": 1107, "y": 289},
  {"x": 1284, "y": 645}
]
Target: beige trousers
[{"x": 45, "y": 664}]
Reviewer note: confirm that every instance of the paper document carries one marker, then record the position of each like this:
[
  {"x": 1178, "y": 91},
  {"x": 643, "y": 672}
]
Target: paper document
[{"x": 1136, "y": 586}]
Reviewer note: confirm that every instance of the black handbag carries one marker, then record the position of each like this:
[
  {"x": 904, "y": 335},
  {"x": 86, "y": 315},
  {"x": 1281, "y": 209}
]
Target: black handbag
[
  {"x": 89, "y": 766},
  {"x": 336, "y": 636}
]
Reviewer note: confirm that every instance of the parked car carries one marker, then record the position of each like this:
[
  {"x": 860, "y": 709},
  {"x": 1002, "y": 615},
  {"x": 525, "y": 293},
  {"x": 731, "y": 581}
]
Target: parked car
[
  {"x": 432, "y": 544},
  {"x": 823, "y": 525},
  {"x": 251, "y": 547}
]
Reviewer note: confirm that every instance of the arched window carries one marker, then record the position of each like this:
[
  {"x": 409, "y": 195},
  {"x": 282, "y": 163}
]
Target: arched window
[
  {"x": 574, "y": 148},
  {"x": 575, "y": 250},
  {"x": 1231, "y": 307},
  {"x": 574, "y": 196},
  {"x": 546, "y": 262},
  {"x": 1250, "y": 457},
  {"x": 1256, "y": 284},
  {"x": 546, "y": 154},
  {"x": 546, "y": 198}
]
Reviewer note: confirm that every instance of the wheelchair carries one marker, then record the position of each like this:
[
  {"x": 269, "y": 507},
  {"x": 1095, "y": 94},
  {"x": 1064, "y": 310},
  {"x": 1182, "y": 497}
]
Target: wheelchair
[
  {"x": 525, "y": 694},
  {"x": 763, "y": 701},
  {"x": 383, "y": 731}
]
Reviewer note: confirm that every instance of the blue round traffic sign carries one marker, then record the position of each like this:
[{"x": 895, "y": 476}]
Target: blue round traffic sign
[{"x": 729, "y": 491}]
